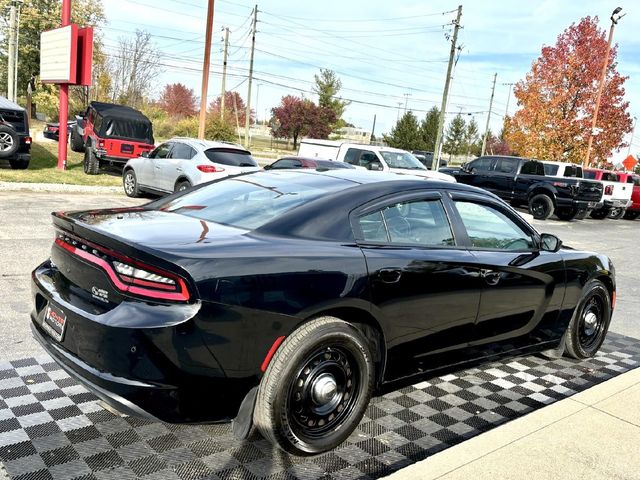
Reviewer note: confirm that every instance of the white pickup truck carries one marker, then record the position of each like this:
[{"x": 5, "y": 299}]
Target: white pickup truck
[
  {"x": 617, "y": 194},
  {"x": 371, "y": 157}
]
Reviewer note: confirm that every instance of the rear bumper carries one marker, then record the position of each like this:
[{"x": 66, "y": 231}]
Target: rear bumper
[
  {"x": 579, "y": 204},
  {"x": 617, "y": 203}
]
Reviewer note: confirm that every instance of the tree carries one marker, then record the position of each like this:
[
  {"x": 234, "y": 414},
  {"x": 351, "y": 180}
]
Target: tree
[
  {"x": 135, "y": 67},
  {"x": 178, "y": 101},
  {"x": 455, "y": 138},
  {"x": 327, "y": 87},
  {"x": 296, "y": 117},
  {"x": 557, "y": 99},
  {"x": 405, "y": 133},
  {"x": 429, "y": 129},
  {"x": 233, "y": 103},
  {"x": 473, "y": 143}
]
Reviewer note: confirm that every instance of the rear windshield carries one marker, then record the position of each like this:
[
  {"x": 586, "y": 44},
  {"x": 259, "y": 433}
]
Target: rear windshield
[
  {"x": 127, "y": 129},
  {"x": 250, "y": 201},
  {"x": 590, "y": 175},
  {"x": 573, "y": 171},
  {"x": 16, "y": 118},
  {"x": 232, "y": 157},
  {"x": 550, "y": 170},
  {"x": 610, "y": 177}
]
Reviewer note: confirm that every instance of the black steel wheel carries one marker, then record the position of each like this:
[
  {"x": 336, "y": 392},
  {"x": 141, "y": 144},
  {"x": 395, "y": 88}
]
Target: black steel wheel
[
  {"x": 600, "y": 214},
  {"x": 631, "y": 215},
  {"x": 590, "y": 323},
  {"x": 316, "y": 387},
  {"x": 541, "y": 206}
]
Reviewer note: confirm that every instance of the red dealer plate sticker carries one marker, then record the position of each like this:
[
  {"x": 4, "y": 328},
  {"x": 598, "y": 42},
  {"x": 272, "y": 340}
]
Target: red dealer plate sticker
[{"x": 54, "y": 322}]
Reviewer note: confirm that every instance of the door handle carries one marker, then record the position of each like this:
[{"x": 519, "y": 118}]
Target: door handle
[
  {"x": 491, "y": 277},
  {"x": 178, "y": 169},
  {"x": 389, "y": 275}
]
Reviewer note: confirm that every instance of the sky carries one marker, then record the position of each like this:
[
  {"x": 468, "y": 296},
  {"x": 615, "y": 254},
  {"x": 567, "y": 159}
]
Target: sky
[{"x": 388, "y": 55}]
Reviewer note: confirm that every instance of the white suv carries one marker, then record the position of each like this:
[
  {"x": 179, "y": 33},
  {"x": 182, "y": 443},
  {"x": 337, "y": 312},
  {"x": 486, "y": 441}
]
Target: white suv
[{"x": 181, "y": 163}]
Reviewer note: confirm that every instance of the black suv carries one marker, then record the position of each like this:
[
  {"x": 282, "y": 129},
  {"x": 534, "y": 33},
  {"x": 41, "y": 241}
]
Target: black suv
[{"x": 15, "y": 141}]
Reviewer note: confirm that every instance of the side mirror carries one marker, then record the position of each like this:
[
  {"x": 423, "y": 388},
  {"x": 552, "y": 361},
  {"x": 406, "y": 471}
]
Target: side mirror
[
  {"x": 376, "y": 166},
  {"x": 145, "y": 154},
  {"x": 267, "y": 167},
  {"x": 550, "y": 243}
]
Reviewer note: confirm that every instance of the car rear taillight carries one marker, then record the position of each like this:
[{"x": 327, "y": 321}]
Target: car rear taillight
[
  {"x": 27, "y": 140},
  {"x": 126, "y": 274},
  {"x": 100, "y": 143},
  {"x": 210, "y": 168},
  {"x": 608, "y": 190}
]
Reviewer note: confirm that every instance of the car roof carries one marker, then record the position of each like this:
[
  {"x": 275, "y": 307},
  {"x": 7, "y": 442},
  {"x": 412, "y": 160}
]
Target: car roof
[
  {"x": 202, "y": 145},
  {"x": 7, "y": 104},
  {"x": 118, "y": 111},
  {"x": 552, "y": 162},
  {"x": 309, "y": 159}
]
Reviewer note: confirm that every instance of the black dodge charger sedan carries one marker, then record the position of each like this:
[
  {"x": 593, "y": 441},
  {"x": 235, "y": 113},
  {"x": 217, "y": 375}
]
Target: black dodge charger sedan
[{"x": 285, "y": 299}]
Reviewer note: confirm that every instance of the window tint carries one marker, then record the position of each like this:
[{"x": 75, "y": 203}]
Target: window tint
[
  {"x": 550, "y": 170},
  {"x": 506, "y": 165},
  {"x": 182, "y": 151},
  {"x": 490, "y": 228},
  {"x": 286, "y": 163},
  {"x": 17, "y": 118},
  {"x": 366, "y": 158},
  {"x": 331, "y": 164},
  {"x": 231, "y": 157},
  {"x": 610, "y": 177},
  {"x": 590, "y": 175},
  {"x": 481, "y": 164},
  {"x": 636, "y": 181},
  {"x": 572, "y": 171},
  {"x": 532, "y": 168},
  {"x": 162, "y": 151},
  {"x": 630, "y": 179},
  {"x": 420, "y": 222},
  {"x": 352, "y": 156}
]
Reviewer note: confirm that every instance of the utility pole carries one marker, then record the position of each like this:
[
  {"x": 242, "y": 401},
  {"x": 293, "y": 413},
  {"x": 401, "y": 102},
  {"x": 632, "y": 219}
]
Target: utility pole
[
  {"x": 506, "y": 110},
  {"x": 16, "y": 42},
  {"x": 486, "y": 128},
  {"x": 224, "y": 72},
  {"x": 373, "y": 129},
  {"x": 406, "y": 101},
  {"x": 445, "y": 94},
  {"x": 11, "y": 57},
  {"x": 633, "y": 130},
  {"x": 398, "y": 116},
  {"x": 253, "y": 46},
  {"x": 205, "y": 71}
]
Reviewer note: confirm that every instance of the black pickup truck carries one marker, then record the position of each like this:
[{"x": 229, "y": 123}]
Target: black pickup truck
[{"x": 522, "y": 181}]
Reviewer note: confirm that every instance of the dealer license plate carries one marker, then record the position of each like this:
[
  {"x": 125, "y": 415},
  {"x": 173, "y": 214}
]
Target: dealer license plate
[{"x": 54, "y": 322}]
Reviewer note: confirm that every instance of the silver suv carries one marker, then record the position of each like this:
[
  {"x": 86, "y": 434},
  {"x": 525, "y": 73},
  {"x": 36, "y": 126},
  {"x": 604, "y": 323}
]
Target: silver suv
[{"x": 183, "y": 162}]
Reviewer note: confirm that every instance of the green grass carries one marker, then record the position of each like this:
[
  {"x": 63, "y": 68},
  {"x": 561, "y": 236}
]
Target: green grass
[{"x": 43, "y": 166}]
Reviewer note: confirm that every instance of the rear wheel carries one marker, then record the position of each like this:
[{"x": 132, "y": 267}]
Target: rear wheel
[
  {"x": 568, "y": 213},
  {"x": 582, "y": 214},
  {"x": 600, "y": 214},
  {"x": 19, "y": 164},
  {"x": 182, "y": 186},
  {"x": 76, "y": 141},
  {"x": 616, "y": 213},
  {"x": 130, "y": 184},
  {"x": 91, "y": 162},
  {"x": 9, "y": 141},
  {"x": 316, "y": 387},
  {"x": 541, "y": 206},
  {"x": 590, "y": 322},
  {"x": 628, "y": 215}
]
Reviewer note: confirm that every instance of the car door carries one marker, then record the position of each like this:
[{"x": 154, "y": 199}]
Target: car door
[
  {"x": 502, "y": 178},
  {"x": 477, "y": 172},
  {"x": 162, "y": 153},
  {"x": 146, "y": 172},
  {"x": 522, "y": 286},
  {"x": 175, "y": 165},
  {"x": 424, "y": 288}
]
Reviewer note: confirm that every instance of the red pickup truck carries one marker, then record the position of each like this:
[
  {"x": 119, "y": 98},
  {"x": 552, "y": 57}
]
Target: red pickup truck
[{"x": 633, "y": 211}]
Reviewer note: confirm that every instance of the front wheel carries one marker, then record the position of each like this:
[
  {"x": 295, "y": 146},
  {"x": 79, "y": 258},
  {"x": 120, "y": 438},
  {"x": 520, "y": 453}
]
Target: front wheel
[
  {"x": 568, "y": 213},
  {"x": 182, "y": 186},
  {"x": 541, "y": 206},
  {"x": 600, "y": 214},
  {"x": 316, "y": 387},
  {"x": 130, "y": 184},
  {"x": 590, "y": 322}
]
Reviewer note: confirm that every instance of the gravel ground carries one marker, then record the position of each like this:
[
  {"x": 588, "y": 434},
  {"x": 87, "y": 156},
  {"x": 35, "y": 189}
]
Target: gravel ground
[{"x": 26, "y": 236}]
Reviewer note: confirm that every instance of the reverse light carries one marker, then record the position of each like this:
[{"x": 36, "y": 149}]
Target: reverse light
[
  {"x": 100, "y": 143},
  {"x": 210, "y": 168},
  {"x": 27, "y": 140},
  {"x": 130, "y": 272}
]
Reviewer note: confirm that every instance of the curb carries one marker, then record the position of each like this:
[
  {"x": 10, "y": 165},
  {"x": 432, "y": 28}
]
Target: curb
[{"x": 57, "y": 187}]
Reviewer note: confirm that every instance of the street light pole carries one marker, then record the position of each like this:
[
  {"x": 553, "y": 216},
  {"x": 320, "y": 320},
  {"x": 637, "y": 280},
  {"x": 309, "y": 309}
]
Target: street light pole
[
  {"x": 633, "y": 130},
  {"x": 615, "y": 16}
]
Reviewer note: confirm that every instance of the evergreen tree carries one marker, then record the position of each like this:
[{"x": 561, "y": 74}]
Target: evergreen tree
[
  {"x": 429, "y": 129},
  {"x": 472, "y": 140},
  {"x": 454, "y": 143},
  {"x": 327, "y": 87},
  {"x": 405, "y": 134}
]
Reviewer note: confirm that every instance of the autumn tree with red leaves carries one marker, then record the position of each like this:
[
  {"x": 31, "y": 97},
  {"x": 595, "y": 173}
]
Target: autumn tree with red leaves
[
  {"x": 233, "y": 103},
  {"x": 296, "y": 117},
  {"x": 557, "y": 100},
  {"x": 178, "y": 101}
]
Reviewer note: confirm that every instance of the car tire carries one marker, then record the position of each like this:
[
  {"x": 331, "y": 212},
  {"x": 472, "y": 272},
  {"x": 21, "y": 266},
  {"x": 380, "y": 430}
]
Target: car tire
[
  {"x": 568, "y": 213},
  {"x": 76, "y": 141},
  {"x": 19, "y": 164},
  {"x": 182, "y": 185},
  {"x": 582, "y": 214},
  {"x": 9, "y": 141},
  {"x": 600, "y": 214},
  {"x": 130, "y": 184},
  {"x": 590, "y": 322},
  {"x": 541, "y": 206},
  {"x": 616, "y": 213},
  {"x": 91, "y": 162},
  {"x": 629, "y": 215},
  {"x": 316, "y": 387}
]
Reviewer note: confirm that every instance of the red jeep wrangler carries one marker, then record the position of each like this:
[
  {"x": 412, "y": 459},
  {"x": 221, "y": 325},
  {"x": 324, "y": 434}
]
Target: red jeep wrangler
[{"x": 110, "y": 135}]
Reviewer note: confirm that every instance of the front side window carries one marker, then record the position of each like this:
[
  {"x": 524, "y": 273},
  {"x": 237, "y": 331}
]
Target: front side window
[
  {"x": 401, "y": 160},
  {"x": 481, "y": 164},
  {"x": 352, "y": 156},
  {"x": 418, "y": 222},
  {"x": 366, "y": 158},
  {"x": 285, "y": 163},
  {"x": 489, "y": 228},
  {"x": 162, "y": 151}
]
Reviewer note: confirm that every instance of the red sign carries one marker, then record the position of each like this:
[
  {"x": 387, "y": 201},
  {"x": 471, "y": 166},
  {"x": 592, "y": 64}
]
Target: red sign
[{"x": 629, "y": 162}]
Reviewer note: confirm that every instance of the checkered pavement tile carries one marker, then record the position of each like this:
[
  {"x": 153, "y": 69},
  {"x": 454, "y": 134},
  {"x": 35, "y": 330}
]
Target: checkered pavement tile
[{"x": 53, "y": 428}]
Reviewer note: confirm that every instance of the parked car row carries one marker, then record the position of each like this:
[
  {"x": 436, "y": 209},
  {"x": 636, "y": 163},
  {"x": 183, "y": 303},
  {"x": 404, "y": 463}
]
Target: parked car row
[{"x": 548, "y": 188}]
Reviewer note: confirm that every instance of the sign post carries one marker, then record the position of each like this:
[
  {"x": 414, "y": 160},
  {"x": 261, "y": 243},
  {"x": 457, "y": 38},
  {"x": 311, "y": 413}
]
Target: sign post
[{"x": 64, "y": 98}]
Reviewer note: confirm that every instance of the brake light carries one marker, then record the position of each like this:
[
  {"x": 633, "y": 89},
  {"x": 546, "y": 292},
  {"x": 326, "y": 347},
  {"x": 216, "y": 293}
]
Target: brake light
[
  {"x": 608, "y": 190},
  {"x": 100, "y": 143},
  {"x": 210, "y": 168},
  {"x": 126, "y": 274},
  {"x": 27, "y": 140}
]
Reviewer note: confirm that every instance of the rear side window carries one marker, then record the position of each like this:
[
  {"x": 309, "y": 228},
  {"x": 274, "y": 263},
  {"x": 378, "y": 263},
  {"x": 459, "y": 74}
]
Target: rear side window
[
  {"x": 532, "y": 168},
  {"x": 182, "y": 151},
  {"x": 630, "y": 179},
  {"x": 231, "y": 157},
  {"x": 505, "y": 165},
  {"x": 551, "y": 170},
  {"x": 610, "y": 177},
  {"x": 572, "y": 171},
  {"x": 287, "y": 163},
  {"x": 590, "y": 175},
  {"x": 16, "y": 118}
]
